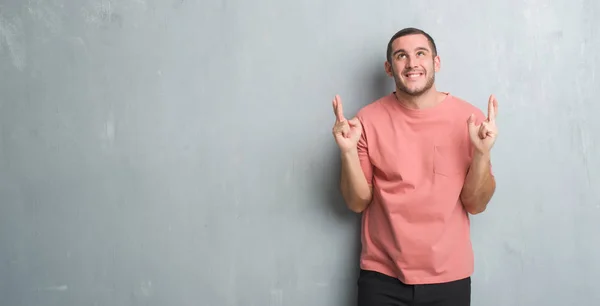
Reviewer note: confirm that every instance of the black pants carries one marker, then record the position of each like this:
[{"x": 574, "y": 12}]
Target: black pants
[{"x": 376, "y": 289}]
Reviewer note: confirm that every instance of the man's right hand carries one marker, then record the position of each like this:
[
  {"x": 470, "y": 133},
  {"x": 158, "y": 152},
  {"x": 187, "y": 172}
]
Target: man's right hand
[{"x": 346, "y": 132}]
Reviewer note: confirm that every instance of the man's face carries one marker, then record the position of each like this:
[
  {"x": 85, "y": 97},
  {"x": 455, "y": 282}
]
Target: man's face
[{"x": 413, "y": 64}]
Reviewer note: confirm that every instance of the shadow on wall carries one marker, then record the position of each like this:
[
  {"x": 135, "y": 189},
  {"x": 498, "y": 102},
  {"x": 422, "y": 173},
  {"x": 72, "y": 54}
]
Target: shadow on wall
[
  {"x": 327, "y": 180},
  {"x": 382, "y": 84}
]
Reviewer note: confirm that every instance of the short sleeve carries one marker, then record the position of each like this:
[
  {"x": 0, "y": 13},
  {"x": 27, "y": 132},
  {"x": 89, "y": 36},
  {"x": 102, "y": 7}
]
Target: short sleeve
[{"x": 363, "y": 155}]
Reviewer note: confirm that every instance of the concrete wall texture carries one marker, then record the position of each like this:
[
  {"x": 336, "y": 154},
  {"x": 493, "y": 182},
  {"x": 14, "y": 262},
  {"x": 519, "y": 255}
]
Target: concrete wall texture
[{"x": 179, "y": 152}]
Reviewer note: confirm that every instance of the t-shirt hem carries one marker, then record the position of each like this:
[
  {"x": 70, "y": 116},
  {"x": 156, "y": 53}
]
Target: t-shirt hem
[{"x": 372, "y": 266}]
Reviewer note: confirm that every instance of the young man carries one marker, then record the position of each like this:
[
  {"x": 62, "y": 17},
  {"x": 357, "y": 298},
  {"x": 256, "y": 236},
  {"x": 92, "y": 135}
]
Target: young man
[{"x": 415, "y": 163}]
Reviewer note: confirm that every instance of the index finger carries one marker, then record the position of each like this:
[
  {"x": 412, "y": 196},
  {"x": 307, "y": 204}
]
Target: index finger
[
  {"x": 338, "y": 109},
  {"x": 492, "y": 108}
]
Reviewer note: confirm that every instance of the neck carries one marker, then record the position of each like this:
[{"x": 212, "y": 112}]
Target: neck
[{"x": 428, "y": 99}]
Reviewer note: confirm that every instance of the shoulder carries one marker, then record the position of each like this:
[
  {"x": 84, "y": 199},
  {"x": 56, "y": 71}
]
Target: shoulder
[
  {"x": 464, "y": 108},
  {"x": 373, "y": 110}
]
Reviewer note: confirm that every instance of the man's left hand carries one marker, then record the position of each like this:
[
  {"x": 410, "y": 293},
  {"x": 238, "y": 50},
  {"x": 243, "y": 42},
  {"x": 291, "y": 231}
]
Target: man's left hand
[{"x": 484, "y": 135}]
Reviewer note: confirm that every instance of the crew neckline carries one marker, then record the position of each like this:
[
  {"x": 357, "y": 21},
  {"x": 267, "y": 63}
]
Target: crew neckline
[{"x": 420, "y": 111}]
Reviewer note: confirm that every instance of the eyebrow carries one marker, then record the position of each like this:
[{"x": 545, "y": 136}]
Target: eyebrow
[{"x": 418, "y": 49}]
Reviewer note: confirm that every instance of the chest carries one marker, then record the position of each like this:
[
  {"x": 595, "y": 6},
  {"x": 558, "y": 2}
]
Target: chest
[{"x": 408, "y": 151}]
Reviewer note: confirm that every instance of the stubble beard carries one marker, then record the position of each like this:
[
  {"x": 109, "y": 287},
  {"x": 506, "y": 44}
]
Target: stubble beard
[{"x": 417, "y": 91}]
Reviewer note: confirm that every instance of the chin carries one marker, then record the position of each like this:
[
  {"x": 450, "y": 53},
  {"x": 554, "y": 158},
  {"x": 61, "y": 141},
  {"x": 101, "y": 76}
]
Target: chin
[{"x": 414, "y": 91}]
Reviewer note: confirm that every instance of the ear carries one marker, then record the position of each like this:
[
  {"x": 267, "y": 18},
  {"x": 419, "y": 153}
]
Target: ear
[
  {"x": 437, "y": 63},
  {"x": 388, "y": 69}
]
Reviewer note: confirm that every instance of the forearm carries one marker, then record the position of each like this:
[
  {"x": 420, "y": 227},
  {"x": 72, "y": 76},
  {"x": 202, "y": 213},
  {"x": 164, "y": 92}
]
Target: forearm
[
  {"x": 354, "y": 187},
  {"x": 479, "y": 185}
]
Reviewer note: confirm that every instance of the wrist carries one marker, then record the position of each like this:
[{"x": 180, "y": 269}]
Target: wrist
[
  {"x": 349, "y": 154},
  {"x": 481, "y": 157}
]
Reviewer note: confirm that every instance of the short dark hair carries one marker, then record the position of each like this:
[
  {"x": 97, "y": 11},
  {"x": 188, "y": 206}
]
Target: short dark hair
[{"x": 409, "y": 31}]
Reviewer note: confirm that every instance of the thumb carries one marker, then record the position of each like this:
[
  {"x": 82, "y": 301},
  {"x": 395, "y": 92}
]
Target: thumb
[
  {"x": 473, "y": 129},
  {"x": 354, "y": 122}
]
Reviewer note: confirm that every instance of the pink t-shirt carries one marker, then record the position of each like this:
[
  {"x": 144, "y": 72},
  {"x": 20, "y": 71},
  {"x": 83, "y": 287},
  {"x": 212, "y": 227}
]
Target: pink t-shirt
[{"x": 415, "y": 228}]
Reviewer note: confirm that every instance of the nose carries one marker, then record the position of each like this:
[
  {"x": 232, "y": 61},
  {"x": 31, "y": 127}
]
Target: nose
[{"x": 411, "y": 62}]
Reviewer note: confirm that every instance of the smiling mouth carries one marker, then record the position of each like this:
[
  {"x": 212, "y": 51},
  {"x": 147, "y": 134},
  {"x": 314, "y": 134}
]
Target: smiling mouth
[{"x": 413, "y": 75}]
